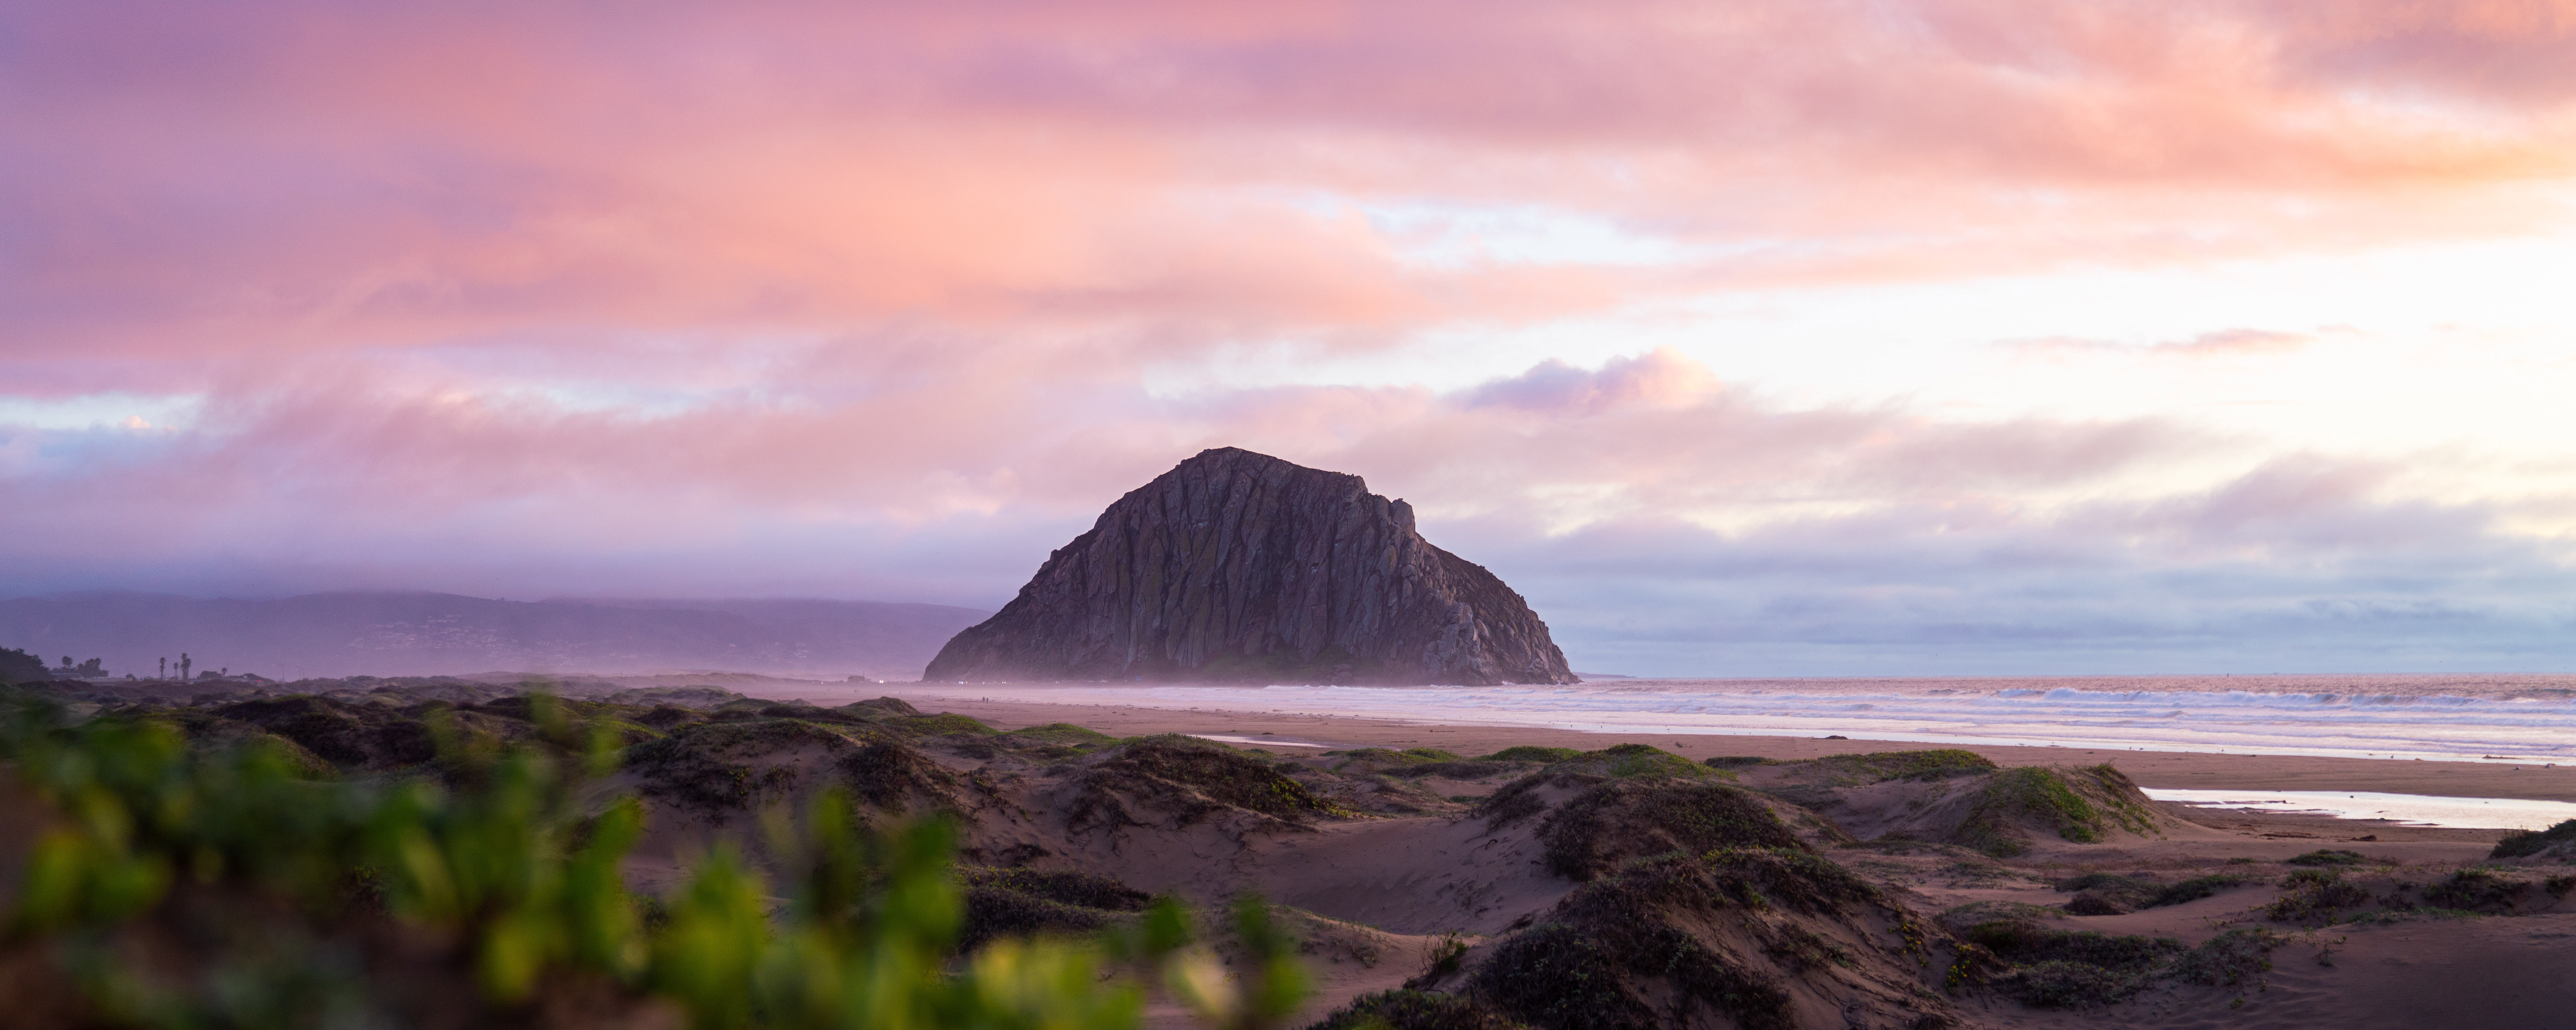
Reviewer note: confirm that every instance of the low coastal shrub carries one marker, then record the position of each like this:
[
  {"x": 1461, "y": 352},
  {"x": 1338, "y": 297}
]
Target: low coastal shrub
[
  {"x": 2326, "y": 857},
  {"x": 701, "y": 766},
  {"x": 881, "y": 707},
  {"x": 2392, "y": 916},
  {"x": 666, "y": 717},
  {"x": 1089, "y": 890},
  {"x": 1569, "y": 767},
  {"x": 2532, "y": 842},
  {"x": 2103, "y": 894},
  {"x": 993, "y": 913},
  {"x": 489, "y": 894},
  {"x": 1515, "y": 801},
  {"x": 1412, "y": 763},
  {"x": 940, "y": 725},
  {"x": 1218, "y": 773},
  {"x": 1415, "y": 1010},
  {"x": 2097, "y": 903},
  {"x": 2230, "y": 959},
  {"x": 1464, "y": 769},
  {"x": 1559, "y": 976},
  {"x": 1368, "y": 754},
  {"x": 1012, "y": 902},
  {"x": 2315, "y": 894},
  {"x": 2080, "y": 969},
  {"x": 1715, "y": 940},
  {"x": 1531, "y": 753},
  {"x": 1623, "y": 819},
  {"x": 2070, "y": 969},
  {"x": 2020, "y": 942},
  {"x": 2196, "y": 888},
  {"x": 1633, "y": 761},
  {"x": 2033, "y": 793},
  {"x": 1520, "y": 799},
  {"x": 350, "y": 736},
  {"x": 1057, "y": 734},
  {"x": 1800, "y": 880},
  {"x": 2058, "y": 984},
  {"x": 1880, "y": 767},
  {"x": 1959, "y": 918},
  {"x": 2110, "y": 894},
  {"x": 1441, "y": 957},
  {"x": 807, "y": 712},
  {"x": 1555, "y": 976},
  {"x": 2475, "y": 890},
  {"x": 894, "y": 777}
]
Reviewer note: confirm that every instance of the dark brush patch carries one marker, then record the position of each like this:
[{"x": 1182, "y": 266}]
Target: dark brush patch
[
  {"x": 1879, "y": 767},
  {"x": 2475, "y": 890},
  {"x": 350, "y": 736},
  {"x": 1415, "y": 1010},
  {"x": 2083, "y": 969},
  {"x": 1469, "y": 769},
  {"x": 1592, "y": 832},
  {"x": 2533, "y": 842},
  {"x": 701, "y": 767},
  {"x": 1088, "y": 890},
  {"x": 2079, "y": 805},
  {"x": 993, "y": 912},
  {"x": 1532, "y": 753},
  {"x": 1613, "y": 955},
  {"x": 2315, "y": 894},
  {"x": 1218, "y": 774},
  {"x": 894, "y": 776},
  {"x": 2198, "y": 887}
]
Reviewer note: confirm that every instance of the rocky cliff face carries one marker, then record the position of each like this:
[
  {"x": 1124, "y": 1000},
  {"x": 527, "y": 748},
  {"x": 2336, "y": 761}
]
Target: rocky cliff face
[{"x": 1237, "y": 567}]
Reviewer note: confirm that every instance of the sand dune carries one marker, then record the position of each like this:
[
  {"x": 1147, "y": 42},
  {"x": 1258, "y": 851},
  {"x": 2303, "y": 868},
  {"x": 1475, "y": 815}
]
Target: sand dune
[{"x": 1566, "y": 881}]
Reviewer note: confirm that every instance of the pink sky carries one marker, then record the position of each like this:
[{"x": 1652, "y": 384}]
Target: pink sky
[{"x": 1758, "y": 338}]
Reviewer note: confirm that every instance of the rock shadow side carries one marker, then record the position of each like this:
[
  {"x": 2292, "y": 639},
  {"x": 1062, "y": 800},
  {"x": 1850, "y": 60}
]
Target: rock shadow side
[{"x": 1240, "y": 567}]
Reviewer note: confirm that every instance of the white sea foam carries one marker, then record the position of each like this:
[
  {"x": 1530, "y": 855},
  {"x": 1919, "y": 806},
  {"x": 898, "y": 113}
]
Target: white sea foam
[
  {"x": 2527, "y": 719},
  {"x": 1264, "y": 742},
  {"x": 2417, "y": 809}
]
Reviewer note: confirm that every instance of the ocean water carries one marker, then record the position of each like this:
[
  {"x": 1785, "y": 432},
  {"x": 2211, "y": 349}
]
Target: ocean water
[{"x": 2506, "y": 718}]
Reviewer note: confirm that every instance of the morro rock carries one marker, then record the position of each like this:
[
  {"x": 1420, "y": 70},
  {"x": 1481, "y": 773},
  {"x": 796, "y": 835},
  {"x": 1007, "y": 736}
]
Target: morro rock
[{"x": 1240, "y": 567}]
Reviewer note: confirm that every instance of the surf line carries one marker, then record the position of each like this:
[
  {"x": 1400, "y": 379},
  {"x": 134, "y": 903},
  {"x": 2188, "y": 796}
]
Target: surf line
[
  {"x": 1251, "y": 740},
  {"x": 2415, "y": 809}
]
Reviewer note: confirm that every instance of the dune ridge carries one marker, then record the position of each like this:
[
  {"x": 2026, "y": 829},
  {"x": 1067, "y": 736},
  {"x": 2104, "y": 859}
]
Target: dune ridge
[{"x": 1548, "y": 886}]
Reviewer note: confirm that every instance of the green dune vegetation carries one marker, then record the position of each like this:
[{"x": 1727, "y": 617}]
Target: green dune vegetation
[
  {"x": 192, "y": 872},
  {"x": 435, "y": 854}
]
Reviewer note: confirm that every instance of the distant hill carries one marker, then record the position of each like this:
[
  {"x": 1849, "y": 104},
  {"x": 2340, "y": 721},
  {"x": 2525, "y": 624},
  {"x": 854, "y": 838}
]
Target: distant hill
[{"x": 423, "y": 634}]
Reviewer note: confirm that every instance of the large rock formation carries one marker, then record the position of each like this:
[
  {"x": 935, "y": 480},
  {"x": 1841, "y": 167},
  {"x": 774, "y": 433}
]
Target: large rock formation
[{"x": 1237, "y": 567}]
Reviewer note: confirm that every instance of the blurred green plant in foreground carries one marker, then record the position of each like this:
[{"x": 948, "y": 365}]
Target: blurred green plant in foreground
[{"x": 180, "y": 888}]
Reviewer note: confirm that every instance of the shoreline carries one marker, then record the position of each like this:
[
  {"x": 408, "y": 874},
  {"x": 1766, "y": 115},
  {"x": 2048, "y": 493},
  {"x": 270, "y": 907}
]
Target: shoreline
[
  {"x": 2440, "y": 726},
  {"x": 2160, "y": 769}
]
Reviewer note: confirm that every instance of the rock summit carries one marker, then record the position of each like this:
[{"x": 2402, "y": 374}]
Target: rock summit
[{"x": 1240, "y": 567}]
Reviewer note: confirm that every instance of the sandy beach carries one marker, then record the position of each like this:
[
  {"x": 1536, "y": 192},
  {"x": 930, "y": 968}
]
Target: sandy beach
[{"x": 2154, "y": 769}]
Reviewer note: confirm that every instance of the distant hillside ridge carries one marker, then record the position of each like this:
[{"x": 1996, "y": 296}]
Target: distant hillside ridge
[
  {"x": 430, "y": 634},
  {"x": 1241, "y": 567}
]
